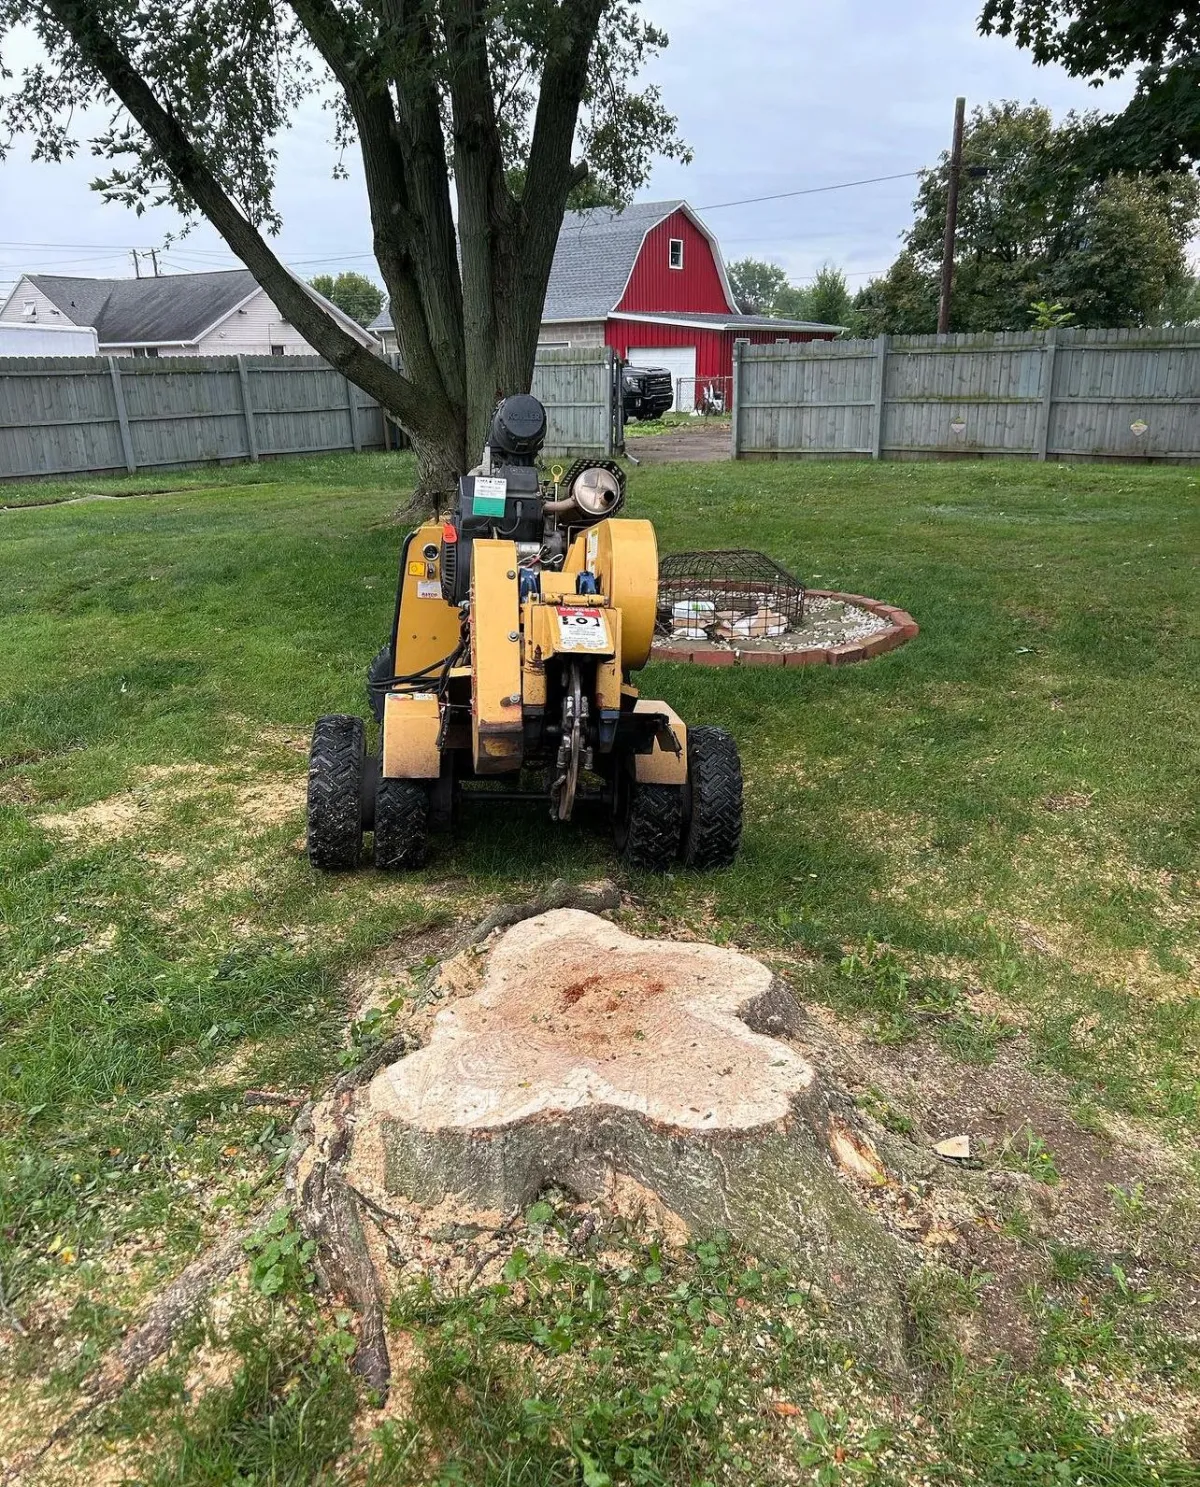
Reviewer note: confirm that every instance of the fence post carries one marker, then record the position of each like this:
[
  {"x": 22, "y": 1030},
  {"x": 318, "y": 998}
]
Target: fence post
[
  {"x": 612, "y": 383},
  {"x": 1042, "y": 436},
  {"x": 248, "y": 410},
  {"x": 880, "y": 369},
  {"x": 352, "y": 413},
  {"x": 122, "y": 415},
  {"x": 735, "y": 433}
]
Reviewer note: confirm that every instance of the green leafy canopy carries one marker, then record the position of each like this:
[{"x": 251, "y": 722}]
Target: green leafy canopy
[
  {"x": 756, "y": 285},
  {"x": 1039, "y": 220},
  {"x": 352, "y": 293},
  {"x": 235, "y": 71},
  {"x": 762, "y": 288},
  {"x": 1105, "y": 38}
]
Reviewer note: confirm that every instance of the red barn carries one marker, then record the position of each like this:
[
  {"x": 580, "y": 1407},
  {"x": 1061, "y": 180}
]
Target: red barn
[{"x": 649, "y": 281}]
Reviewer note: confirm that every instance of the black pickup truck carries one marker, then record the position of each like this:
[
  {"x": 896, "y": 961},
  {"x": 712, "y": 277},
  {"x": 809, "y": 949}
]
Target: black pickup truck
[{"x": 646, "y": 392}]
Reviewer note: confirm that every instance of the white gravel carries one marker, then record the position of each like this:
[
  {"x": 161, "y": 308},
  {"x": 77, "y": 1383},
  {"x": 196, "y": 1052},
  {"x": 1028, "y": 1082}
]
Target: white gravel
[{"x": 826, "y": 623}]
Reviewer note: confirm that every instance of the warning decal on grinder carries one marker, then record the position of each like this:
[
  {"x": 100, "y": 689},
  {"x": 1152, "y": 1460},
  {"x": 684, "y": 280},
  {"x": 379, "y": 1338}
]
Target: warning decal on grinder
[{"x": 582, "y": 630}]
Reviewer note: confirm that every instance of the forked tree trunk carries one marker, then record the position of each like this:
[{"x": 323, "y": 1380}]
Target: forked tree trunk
[{"x": 467, "y": 334}]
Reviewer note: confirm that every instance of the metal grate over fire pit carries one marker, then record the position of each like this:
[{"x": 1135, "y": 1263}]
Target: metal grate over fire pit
[{"x": 722, "y": 588}]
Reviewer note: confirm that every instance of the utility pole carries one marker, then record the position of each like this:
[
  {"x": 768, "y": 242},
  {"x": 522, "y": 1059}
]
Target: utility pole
[
  {"x": 137, "y": 268},
  {"x": 154, "y": 260},
  {"x": 960, "y": 106}
]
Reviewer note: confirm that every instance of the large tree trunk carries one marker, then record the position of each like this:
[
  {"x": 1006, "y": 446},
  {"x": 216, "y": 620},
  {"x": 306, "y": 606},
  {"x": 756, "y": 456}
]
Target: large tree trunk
[{"x": 441, "y": 459}]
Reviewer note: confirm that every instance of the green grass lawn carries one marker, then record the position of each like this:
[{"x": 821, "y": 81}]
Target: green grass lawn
[
  {"x": 674, "y": 423},
  {"x": 980, "y": 854}
]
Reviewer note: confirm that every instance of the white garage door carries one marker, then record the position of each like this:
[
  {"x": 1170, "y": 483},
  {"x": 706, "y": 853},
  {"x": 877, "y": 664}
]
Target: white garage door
[{"x": 680, "y": 361}]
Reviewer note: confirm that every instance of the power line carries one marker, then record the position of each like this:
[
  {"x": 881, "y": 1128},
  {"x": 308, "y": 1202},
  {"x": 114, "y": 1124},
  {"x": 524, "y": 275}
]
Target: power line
[
  {"x": 714, "y": 206},
  {"x": 745, "y": 201},
  {"x": 72, "y": 247},
  {"x": 209, "y": 254},
  {"x": 54, "y": 265}
]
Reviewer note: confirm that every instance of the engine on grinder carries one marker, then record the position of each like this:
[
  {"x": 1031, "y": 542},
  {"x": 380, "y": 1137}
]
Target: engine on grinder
[{"x": 504, "y": 498}]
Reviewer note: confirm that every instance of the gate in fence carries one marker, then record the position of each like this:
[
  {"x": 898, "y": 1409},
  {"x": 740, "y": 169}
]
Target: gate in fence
[{"x": 581, "y": 392}]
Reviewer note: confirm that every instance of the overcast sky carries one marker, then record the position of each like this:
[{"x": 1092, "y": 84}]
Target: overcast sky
[{"x": 772, "y": 95}]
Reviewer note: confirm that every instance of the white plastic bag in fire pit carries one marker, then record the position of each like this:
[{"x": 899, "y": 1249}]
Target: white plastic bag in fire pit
[{"x": 698, "y": 613}]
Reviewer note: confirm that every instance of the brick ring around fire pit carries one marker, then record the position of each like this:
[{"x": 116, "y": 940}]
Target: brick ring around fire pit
[{"x": 896, "y": 628}]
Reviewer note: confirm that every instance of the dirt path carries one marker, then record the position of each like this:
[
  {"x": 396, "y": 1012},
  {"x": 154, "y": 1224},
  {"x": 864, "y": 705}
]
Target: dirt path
[{"x": 705, "y": 442}]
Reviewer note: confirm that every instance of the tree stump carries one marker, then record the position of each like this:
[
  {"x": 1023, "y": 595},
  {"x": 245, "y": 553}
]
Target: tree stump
[{"x": 588, "y": 1055}]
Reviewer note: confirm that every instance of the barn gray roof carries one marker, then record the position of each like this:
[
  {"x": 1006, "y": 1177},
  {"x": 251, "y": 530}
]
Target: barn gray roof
[
  {"x": 596, "y": 251},
  {"x": 131, "y": 312}
]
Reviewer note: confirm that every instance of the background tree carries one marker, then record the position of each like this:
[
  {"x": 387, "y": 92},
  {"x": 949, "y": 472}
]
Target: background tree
[
  {"x": 1160, "y": 128},
  {"x": 1036, "y": 221},
  {"x": 352, "y": 293},
  {"x": 903, "y": 303},
  {"x": 1182, "y": 304},
  {"x": 441, "y": 97},
  {"x": 592, "y": 191},
  {"x": 826, "y": 299},
  {"x": 756, "y": 285},
  {"x": 761, "y": 288}
]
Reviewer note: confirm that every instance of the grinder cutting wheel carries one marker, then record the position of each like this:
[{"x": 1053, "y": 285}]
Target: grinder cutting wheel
[{"x": 520, "y": 620}]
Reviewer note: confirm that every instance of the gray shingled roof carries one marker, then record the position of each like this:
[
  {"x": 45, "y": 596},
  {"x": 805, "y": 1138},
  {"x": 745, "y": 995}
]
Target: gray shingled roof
[
  {"x": 596, "y": 251},
  {"x": 595, "y": 255},
  {"x": 130, "y": 312},
  {"x": 726, "y": 321}
]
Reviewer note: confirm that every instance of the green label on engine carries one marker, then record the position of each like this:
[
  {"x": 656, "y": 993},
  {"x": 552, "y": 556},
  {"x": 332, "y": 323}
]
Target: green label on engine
[{"x": 489, "y": 494}]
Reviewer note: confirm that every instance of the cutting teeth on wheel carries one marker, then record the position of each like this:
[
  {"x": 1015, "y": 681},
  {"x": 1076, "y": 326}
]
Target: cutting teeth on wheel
[{"x": 571, "y": 750}]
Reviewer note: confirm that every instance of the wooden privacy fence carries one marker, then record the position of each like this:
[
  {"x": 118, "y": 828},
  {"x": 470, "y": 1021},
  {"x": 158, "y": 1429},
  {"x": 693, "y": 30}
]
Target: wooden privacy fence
[
  {"x": 581, "y": 391},
  {"x": 74, "y": 415},
  {"x": 67, "y": 415},
  {"x": 1059, "y": 394}
]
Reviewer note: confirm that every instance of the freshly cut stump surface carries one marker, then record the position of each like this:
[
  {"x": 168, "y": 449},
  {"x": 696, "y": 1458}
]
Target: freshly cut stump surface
[{"x": 588, "y": 1054}]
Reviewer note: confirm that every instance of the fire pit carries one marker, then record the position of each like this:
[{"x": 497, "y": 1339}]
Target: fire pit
[{"x": 741, "y": 607}]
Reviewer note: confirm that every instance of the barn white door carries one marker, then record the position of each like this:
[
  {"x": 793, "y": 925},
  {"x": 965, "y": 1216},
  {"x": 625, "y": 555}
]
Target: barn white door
[{"x": 680, "y": 361}]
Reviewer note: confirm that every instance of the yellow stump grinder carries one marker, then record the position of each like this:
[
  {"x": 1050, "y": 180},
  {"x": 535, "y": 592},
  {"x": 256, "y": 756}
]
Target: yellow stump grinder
[{"x": 520, "y": 620}]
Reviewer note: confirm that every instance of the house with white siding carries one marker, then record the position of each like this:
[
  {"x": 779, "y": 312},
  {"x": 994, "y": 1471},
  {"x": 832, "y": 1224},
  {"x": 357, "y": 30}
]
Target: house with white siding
[{"x": 216, "y": 314}]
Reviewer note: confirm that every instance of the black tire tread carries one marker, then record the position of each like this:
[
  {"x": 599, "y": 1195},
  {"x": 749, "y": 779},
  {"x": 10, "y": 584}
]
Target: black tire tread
[
  {"x": 714, "y": 830},
  {"x": 653, "y": 827},
  {"x": 335, "y": 773},
  {"x": 401, "y": 825}
]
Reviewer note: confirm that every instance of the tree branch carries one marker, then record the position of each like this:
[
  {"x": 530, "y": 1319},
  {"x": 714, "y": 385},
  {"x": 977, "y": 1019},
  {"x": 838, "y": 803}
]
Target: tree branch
[
  {"x": 101, "y": 52},
  {"x": 550, "y": 175},
  {"x": 425, "y": 298},
  {"x": 485, "y": 205},
  {"x": 419, "y": 123},
  {"x": 564, "y": 78}
]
